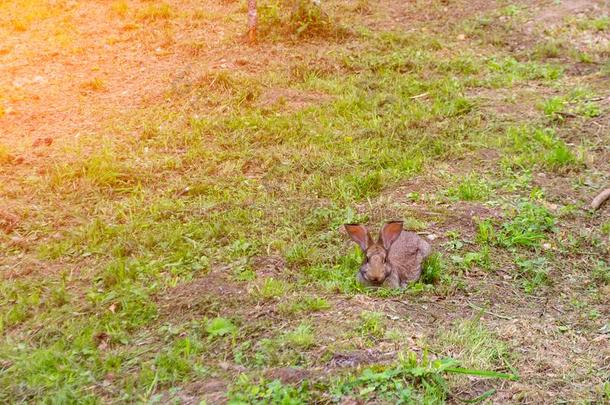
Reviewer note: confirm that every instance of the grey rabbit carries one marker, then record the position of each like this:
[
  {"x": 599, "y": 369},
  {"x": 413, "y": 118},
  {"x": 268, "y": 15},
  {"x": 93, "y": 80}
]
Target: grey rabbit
[{"x": 394, "y": 260}]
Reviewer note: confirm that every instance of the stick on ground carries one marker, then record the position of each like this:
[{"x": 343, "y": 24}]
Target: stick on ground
[{"x": 599, "y": 200}]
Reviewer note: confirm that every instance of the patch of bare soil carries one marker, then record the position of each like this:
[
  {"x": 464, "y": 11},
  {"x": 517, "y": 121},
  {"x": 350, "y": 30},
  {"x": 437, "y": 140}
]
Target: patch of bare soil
[
  {"x": 288, "y": 375},
  {"x": 211, "y": 295},
  {"x": 8, "y": 221},
  {"x": 463, "y": 217},
  {"x": 360, "y": 357},
  {"x": 211, "y": 391},
  {"x": 431, "y": 15},
  {"x": 555, "y": 11},
  {"x": 517, "y": 103},
  {"x": 268, "y": 266}
]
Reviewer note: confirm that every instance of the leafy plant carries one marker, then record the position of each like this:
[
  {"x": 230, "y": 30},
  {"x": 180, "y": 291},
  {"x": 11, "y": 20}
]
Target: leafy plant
[
  {"x": 534, "y": 273},
  {"x": 220, "y": 327},
  {"x": 529, "y": 227},
  {"x": 249, "y": 391},
  {"x": 553, "y": 107},
  {"x": 409, "y": 380}
]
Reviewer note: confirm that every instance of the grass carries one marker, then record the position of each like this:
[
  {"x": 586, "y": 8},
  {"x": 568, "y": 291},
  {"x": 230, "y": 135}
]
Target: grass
[
  {"x": 134, "y": 270},
  {"x": 95, "y": 84},
  {"x": 5, "y": 156},
  {"x": 528, "y": 227},
  {"x": 470, "y": 188},
  {"x": 407, "y": 380},
  {"x": 301, "y": 338},
  {"x": 155, "y": 12},
  {"x": 474, "y": 344},
  {"x": 371, "y": 324}
]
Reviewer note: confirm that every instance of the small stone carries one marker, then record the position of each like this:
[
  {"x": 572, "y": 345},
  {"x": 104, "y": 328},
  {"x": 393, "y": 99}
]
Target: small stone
[
  {"x": 431, "y": 236},
  {"x": 461, "y": 37},
  {"x": 546, "y": 246}
]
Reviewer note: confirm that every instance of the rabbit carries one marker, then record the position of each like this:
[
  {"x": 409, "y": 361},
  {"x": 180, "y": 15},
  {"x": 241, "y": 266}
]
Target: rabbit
[{"x": 394, "y": 260}]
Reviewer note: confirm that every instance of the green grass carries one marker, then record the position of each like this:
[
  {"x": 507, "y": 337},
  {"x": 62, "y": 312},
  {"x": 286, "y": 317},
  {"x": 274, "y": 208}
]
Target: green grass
[
  {"x": 470, "y": 188},
  {"x": 408, "y": 380},
  {"x": 529, "y": 226},
  {"x": 134, "y": 271},
  {"x": 474, "y": 344},
  {"x": 301, "y": 338},
  {"x": 534, "y": 273},
  {"x": 220, "y": 327},
  {"x": 305, "y": 304},
  {"x": 371, "y": 325},
  {"x": 540, "y": 147}
]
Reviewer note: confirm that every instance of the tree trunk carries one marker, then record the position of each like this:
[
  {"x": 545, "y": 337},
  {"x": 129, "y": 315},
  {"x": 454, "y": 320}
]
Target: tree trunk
[{"x": 252, "y": 20}]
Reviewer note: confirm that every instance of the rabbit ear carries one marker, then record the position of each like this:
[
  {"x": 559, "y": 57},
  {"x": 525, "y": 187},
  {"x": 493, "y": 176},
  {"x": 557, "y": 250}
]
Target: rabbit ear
[
  {"x": 389, "y": 233},
  {"x": 360, "y": 235}
]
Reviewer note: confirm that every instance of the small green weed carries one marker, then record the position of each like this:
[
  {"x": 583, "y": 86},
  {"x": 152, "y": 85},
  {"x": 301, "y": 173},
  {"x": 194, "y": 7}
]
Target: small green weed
[
  {"x": 553, "y": 107},
  {"x": 594, "y": 24},
  {"x": 471, "y": 188},
  {"x": 528, "y": 228},
  {"x": 408, "y": 381},
  {"x": 540, "y": 147},
  {"x": 220, "y": 327},
  {"x": 470, "y": 259},
  {"x": 270, "y": 288},
  {"x": 301, "y": 338},
  {"x": 306, "y": 304},
  {"x": 534, "y": 273},
  {"x": 372, "y": 324},
  {"x": 299, "y": 19},
  {"x": 249, "y": 391},
  {"x": 508, "y": 71},
  {"x": 433, "y": 269},
  {"x": 549, "y": 49},
  {"x": 485, "y": 232},
  {"x": 601, "y": 273}
]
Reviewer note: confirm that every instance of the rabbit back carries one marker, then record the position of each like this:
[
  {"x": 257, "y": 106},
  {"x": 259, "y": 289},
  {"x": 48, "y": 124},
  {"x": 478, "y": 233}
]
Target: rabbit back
[{"x": 407, "y": 255}]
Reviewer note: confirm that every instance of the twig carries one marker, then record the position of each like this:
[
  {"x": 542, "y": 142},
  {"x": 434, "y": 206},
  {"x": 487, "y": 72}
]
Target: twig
[
  {"x": 419, "y": 96},
  {"x": 600, "y": 198},
  {"x": 556, "y": 309},
  {"x": 471, "y": 305}
]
